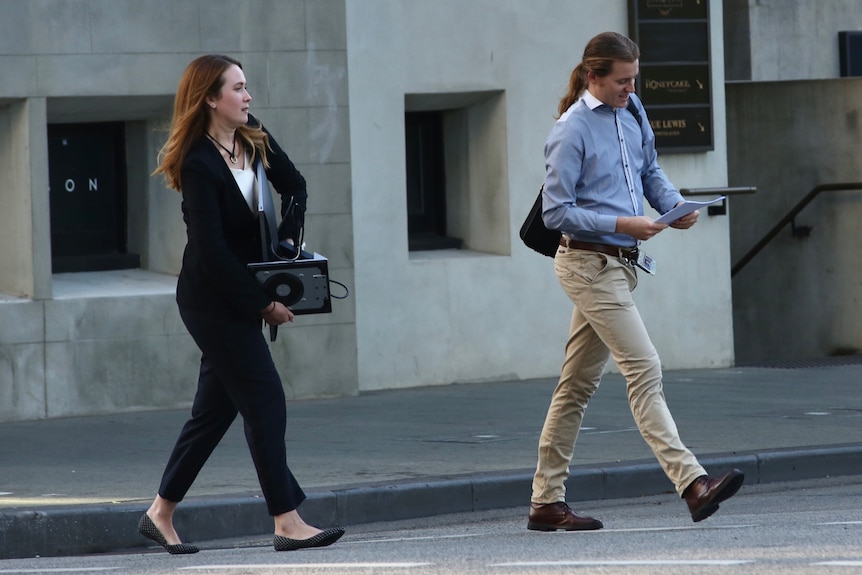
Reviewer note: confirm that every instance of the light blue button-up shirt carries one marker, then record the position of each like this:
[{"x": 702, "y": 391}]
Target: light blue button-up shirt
[{"x": 587, "y": 156}]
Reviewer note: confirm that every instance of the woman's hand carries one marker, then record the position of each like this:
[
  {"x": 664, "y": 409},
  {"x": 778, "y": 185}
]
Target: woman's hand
[{"x": 276, "y": 314}]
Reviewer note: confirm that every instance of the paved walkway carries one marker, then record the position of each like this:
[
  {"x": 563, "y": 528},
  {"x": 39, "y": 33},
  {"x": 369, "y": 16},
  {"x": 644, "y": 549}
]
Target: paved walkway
[{"x": 78, "y": 485}]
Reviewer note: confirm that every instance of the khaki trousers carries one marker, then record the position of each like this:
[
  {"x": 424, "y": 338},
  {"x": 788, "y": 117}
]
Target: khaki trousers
[{"x": 606, "y": 323}]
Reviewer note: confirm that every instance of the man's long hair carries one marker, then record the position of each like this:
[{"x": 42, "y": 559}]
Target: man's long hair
[{"x": 599, "y": 57}]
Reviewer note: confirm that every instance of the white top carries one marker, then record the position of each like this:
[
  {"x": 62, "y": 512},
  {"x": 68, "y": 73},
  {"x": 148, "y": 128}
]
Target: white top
[{"x": 245, "y": 180}]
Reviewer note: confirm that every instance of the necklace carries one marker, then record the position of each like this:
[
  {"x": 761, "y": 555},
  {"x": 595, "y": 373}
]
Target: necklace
[{"x": 231, "y": 153}]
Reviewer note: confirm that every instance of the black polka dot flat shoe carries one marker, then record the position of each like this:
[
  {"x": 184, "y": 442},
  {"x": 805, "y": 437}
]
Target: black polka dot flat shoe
[
  {"x": 322, "y": 539},
  {"x": 148, "y": 529}
]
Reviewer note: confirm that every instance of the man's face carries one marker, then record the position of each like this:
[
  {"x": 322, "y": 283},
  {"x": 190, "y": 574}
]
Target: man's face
[{"x": 614, "y": 89}]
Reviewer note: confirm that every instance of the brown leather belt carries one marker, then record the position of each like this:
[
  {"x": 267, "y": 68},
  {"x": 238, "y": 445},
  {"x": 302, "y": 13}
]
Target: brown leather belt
[{"x": 629, "y": 253}]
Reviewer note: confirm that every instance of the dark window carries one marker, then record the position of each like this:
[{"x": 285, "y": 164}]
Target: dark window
[
  {"x": 87, "y": 179},
  {"x": 426, "y": 183},
  {"x": 850, "y": 53}
]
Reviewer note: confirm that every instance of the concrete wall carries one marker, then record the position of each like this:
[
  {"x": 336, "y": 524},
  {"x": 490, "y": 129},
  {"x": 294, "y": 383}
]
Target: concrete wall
[
  {"x": 24, "y": 188},
  {"x": 74, "y": 344},
  {"x": 493, "y": 312},
  {"x": 799, "y": 297},
  {"x": 332, "y": 80},
  {"x": 769, "y": 40},
  {"x": 793, "y": 125}
]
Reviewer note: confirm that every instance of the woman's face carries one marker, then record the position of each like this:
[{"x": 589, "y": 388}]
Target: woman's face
[{"x": 231, "y": 106}]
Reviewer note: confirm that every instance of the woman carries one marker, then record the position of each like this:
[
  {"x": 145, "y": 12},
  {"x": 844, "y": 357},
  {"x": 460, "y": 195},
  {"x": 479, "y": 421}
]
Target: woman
[{"x": 210, "y": 157}]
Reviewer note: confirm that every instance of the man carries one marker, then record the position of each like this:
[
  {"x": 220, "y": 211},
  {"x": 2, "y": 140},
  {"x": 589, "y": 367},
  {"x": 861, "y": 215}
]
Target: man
[{"x": 600, "y": 165}]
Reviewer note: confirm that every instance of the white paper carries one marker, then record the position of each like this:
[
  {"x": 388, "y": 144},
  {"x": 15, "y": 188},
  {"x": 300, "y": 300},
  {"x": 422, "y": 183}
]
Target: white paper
[{"x": 684, "y": 209}]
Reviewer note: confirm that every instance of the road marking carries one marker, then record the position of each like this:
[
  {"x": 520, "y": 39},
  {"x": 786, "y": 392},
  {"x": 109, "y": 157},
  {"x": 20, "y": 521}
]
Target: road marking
[
  {"x": 598, "y": 532},
  {"x": 677, "y": 528},
  {"x": 271, "y": 566},
  {"x": 559, "y": 533},
  {"x": 840, "y": 563},
  {"x": 59, "y": 570},
  {"x": 839, "y": 523},
  {"x": 625, "y": 430},
  {"x": 422, "y": 538},
  {"x": 631, "y": 563}
]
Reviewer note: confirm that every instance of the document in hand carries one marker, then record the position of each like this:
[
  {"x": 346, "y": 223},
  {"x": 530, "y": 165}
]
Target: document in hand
[{"x": 684, "y": 209}]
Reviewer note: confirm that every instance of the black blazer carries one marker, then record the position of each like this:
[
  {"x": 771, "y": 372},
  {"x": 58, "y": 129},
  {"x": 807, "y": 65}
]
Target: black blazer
[{"x": 223, "y": 235}]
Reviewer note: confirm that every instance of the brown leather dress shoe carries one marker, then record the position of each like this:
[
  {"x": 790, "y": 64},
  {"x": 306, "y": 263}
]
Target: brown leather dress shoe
[
  {"x": 704, "y": 494},
  {"x": 553, "y": 516}
]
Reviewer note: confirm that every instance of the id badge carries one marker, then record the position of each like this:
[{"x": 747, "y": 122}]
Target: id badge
[{"x": 645, "y": 263}]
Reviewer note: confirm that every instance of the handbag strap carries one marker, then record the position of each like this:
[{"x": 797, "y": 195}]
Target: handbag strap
[
  {"x": 266, "y": 216},
  {"x": 266, "y": 221},
  {"x": 265, "y": 212}
]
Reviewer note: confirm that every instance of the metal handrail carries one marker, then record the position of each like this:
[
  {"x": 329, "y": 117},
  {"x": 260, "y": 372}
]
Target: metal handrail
[
  {"x": 789, "y": 219},
  {"x": 720, "y": 209},
  {"x": 717, "y": 191}
]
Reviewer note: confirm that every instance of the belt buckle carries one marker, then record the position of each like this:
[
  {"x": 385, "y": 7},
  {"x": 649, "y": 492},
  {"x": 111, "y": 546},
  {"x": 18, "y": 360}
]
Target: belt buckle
[{"x": 629, "y": 256}]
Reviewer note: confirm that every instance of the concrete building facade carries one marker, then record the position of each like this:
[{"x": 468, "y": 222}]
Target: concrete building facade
[
  {"x": 335, "y": 81},
  {"x": 794, "y": 125}
]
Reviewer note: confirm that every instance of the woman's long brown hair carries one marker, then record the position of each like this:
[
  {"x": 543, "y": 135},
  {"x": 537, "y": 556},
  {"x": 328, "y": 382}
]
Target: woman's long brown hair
[
  {"x": 203, "y": 78},
  {"x": 599, "y": 57}
]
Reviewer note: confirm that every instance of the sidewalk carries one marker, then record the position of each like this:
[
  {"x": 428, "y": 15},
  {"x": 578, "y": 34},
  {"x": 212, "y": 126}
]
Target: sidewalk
[{"x": 79, "y": 485}]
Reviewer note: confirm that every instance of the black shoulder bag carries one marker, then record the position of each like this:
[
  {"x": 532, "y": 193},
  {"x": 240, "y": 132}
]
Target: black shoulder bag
[{"x": 534, "y": 233}]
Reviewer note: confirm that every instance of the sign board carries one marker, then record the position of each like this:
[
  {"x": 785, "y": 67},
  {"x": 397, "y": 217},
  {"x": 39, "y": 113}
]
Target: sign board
[{"x": 675, "y": 81}]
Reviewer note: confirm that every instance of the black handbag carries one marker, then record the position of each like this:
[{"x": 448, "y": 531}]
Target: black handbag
[{"x": 534, "y": 233}]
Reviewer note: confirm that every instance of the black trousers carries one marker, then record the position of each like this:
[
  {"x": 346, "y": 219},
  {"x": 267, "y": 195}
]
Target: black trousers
[{"x": 237, "y": 375}]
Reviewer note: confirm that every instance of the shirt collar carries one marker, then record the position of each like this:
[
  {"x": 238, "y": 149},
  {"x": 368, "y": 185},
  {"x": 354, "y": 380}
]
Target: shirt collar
[{"x": 591, "y": 101}]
